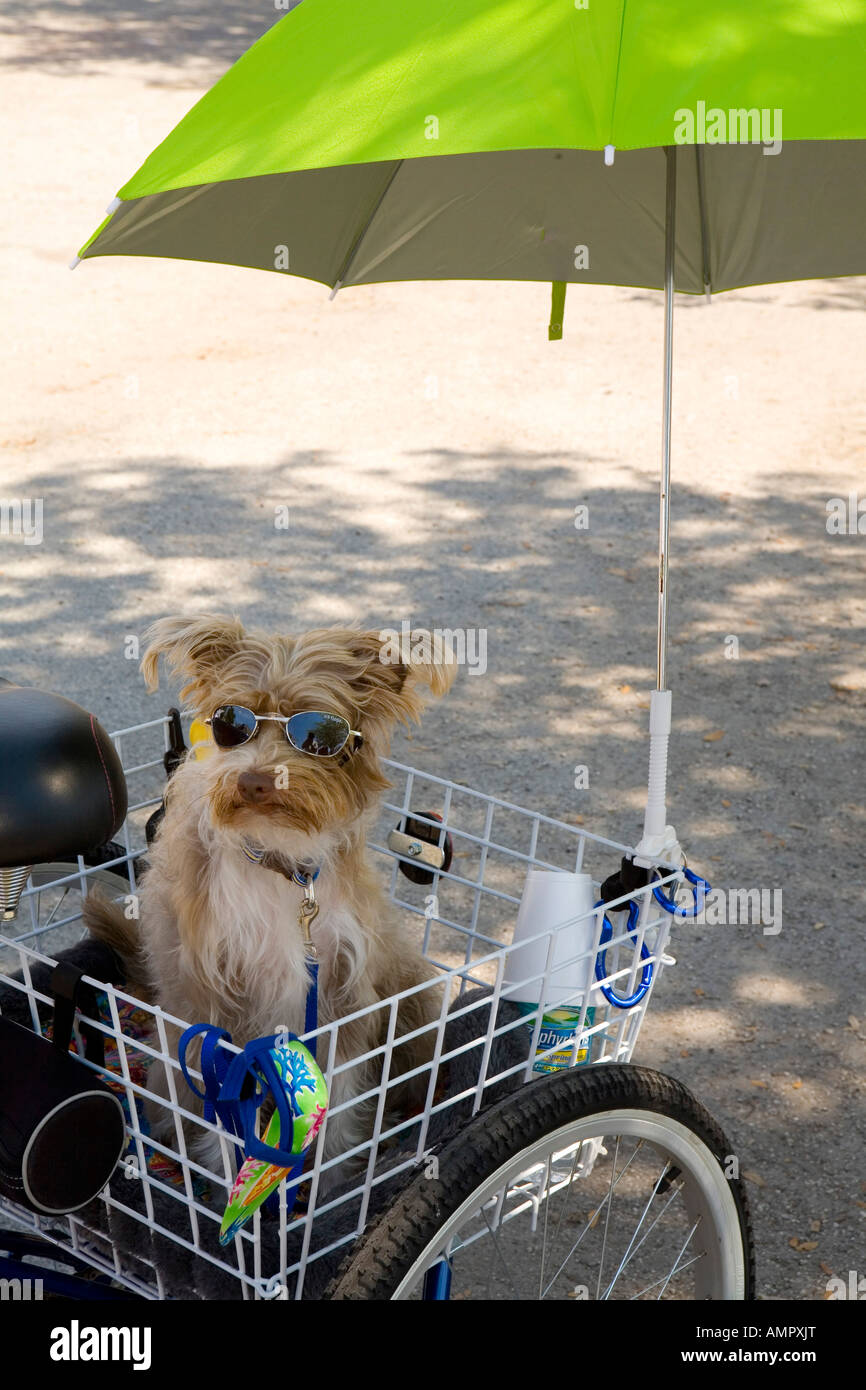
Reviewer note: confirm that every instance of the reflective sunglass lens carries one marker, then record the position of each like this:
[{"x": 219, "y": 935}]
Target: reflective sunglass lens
[
  {"x": 232, "y": 725},
  {"x": 313, "y": 732}
]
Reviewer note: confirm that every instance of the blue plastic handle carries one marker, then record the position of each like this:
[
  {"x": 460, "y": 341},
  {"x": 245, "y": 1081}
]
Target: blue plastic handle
[
  {"x": 214, "y": 1064},
  {"x": 701, "y": 888},
  {"x": 623, "y": 1001},
  {"x": 228, "y": 1093}
]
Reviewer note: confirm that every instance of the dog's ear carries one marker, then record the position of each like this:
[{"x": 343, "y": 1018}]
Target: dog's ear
[
  {"x": 193, "y": 647},
  {"x": 397, "y": 668}
]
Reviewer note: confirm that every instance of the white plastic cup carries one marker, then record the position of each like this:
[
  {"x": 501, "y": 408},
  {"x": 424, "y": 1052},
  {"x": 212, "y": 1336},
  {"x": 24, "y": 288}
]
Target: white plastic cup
[{"x": 552, "y": 900}]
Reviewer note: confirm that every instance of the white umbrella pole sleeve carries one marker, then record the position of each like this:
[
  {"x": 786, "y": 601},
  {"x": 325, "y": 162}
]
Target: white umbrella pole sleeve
[
  {"x": 655, "y": 819},
  {"x": 657, "y": 836}
]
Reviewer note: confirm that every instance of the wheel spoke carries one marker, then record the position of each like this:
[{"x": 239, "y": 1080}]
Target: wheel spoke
[
  {"x": 546, "y": 1199},
  {"x": 679, "y": 1256},
  {"x": 578, "y": 1153},
  {"x": 607, "y": 1216},
  {"x": 678, "y": 1269},
  {"x": 494, "y": 1235},
  {"x": 628, "y": 1254},
  {"x": 591, "y": 1221},
  {"x": 676, "y": 1192},
  {"x": 56, "y": 908}
]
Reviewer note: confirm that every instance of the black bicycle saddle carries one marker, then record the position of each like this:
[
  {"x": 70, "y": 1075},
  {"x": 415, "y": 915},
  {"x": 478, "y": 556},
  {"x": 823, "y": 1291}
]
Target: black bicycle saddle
[{"x": 62, "y": 788}]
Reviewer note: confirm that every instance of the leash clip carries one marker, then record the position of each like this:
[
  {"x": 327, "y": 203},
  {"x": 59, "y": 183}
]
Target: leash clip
[{"x": 307, "y": 914}]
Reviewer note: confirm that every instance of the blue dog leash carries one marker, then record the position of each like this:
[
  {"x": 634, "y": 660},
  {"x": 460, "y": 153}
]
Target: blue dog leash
[{"x": 228, "y": 1095}]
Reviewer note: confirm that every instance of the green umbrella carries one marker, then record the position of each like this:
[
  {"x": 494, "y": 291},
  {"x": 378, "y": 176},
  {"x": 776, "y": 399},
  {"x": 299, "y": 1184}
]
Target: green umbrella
[
  {"x": 399, "y": 141},
  {"x": 698, "y": 147}
]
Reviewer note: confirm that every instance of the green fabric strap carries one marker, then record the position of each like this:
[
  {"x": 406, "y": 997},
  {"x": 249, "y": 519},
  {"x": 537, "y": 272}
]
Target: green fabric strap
[{"x": 557, "y": 309}]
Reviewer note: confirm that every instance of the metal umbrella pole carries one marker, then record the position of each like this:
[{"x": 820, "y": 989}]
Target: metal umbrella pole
[{"x": 659, "y": 840}]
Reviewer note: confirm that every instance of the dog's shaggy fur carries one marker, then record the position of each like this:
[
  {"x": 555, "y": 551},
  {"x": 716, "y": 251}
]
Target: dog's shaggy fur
[{"x": 219, "y": 936}]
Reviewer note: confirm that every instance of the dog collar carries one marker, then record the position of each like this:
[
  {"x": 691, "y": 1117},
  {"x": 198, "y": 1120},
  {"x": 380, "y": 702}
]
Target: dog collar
[{"x": 302, "y": 874}]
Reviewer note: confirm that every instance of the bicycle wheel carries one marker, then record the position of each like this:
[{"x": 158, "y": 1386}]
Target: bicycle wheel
[
  {"x": 597, "y": 1184},
  {"x": 49, "y": 919}
]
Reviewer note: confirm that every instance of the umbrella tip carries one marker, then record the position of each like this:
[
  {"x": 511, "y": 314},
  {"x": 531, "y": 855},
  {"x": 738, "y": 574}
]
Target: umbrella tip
[
  {"x": 76, "y": 260},
  {"x": 113, "y": 205},
  {"x": 609, "y": 152}
]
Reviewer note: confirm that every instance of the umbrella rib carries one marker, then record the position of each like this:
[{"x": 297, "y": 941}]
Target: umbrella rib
[
  {"x": 354, "y": 248},
  {"x": 616, "y": 74},
  {"x": 705, "y": 236}
]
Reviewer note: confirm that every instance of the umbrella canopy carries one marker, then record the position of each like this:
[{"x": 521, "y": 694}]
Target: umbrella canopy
[{"x": 362, "y": 143}]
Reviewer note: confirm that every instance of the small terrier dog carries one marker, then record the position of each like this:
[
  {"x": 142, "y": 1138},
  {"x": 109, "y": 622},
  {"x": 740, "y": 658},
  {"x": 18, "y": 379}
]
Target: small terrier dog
[{"x": 301, "y": 724}]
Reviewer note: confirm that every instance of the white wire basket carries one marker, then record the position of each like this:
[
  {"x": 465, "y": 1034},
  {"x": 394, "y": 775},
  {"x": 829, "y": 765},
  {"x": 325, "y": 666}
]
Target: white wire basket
[{"x": 155, "y": 1227}]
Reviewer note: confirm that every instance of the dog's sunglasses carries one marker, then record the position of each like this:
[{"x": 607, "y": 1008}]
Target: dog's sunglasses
[{"x": 310, "y": 731}]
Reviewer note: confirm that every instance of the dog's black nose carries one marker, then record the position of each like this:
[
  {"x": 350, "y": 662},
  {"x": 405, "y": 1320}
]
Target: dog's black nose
[{"x": 256, "y": 787}]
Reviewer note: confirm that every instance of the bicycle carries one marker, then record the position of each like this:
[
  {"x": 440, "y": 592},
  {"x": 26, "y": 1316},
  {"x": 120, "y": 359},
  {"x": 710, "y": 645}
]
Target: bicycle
[{"x": 602, "y": 1181}]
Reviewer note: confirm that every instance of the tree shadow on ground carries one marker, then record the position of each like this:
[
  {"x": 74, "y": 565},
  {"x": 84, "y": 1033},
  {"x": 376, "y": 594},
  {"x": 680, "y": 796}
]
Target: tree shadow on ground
[
  {"x": 169, "y": 33},
  {"x": 761, "y": 621}
]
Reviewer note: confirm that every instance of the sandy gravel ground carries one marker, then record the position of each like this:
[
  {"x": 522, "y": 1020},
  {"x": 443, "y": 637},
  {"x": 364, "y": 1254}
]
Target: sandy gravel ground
[{"x": 432, "y": 447}]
